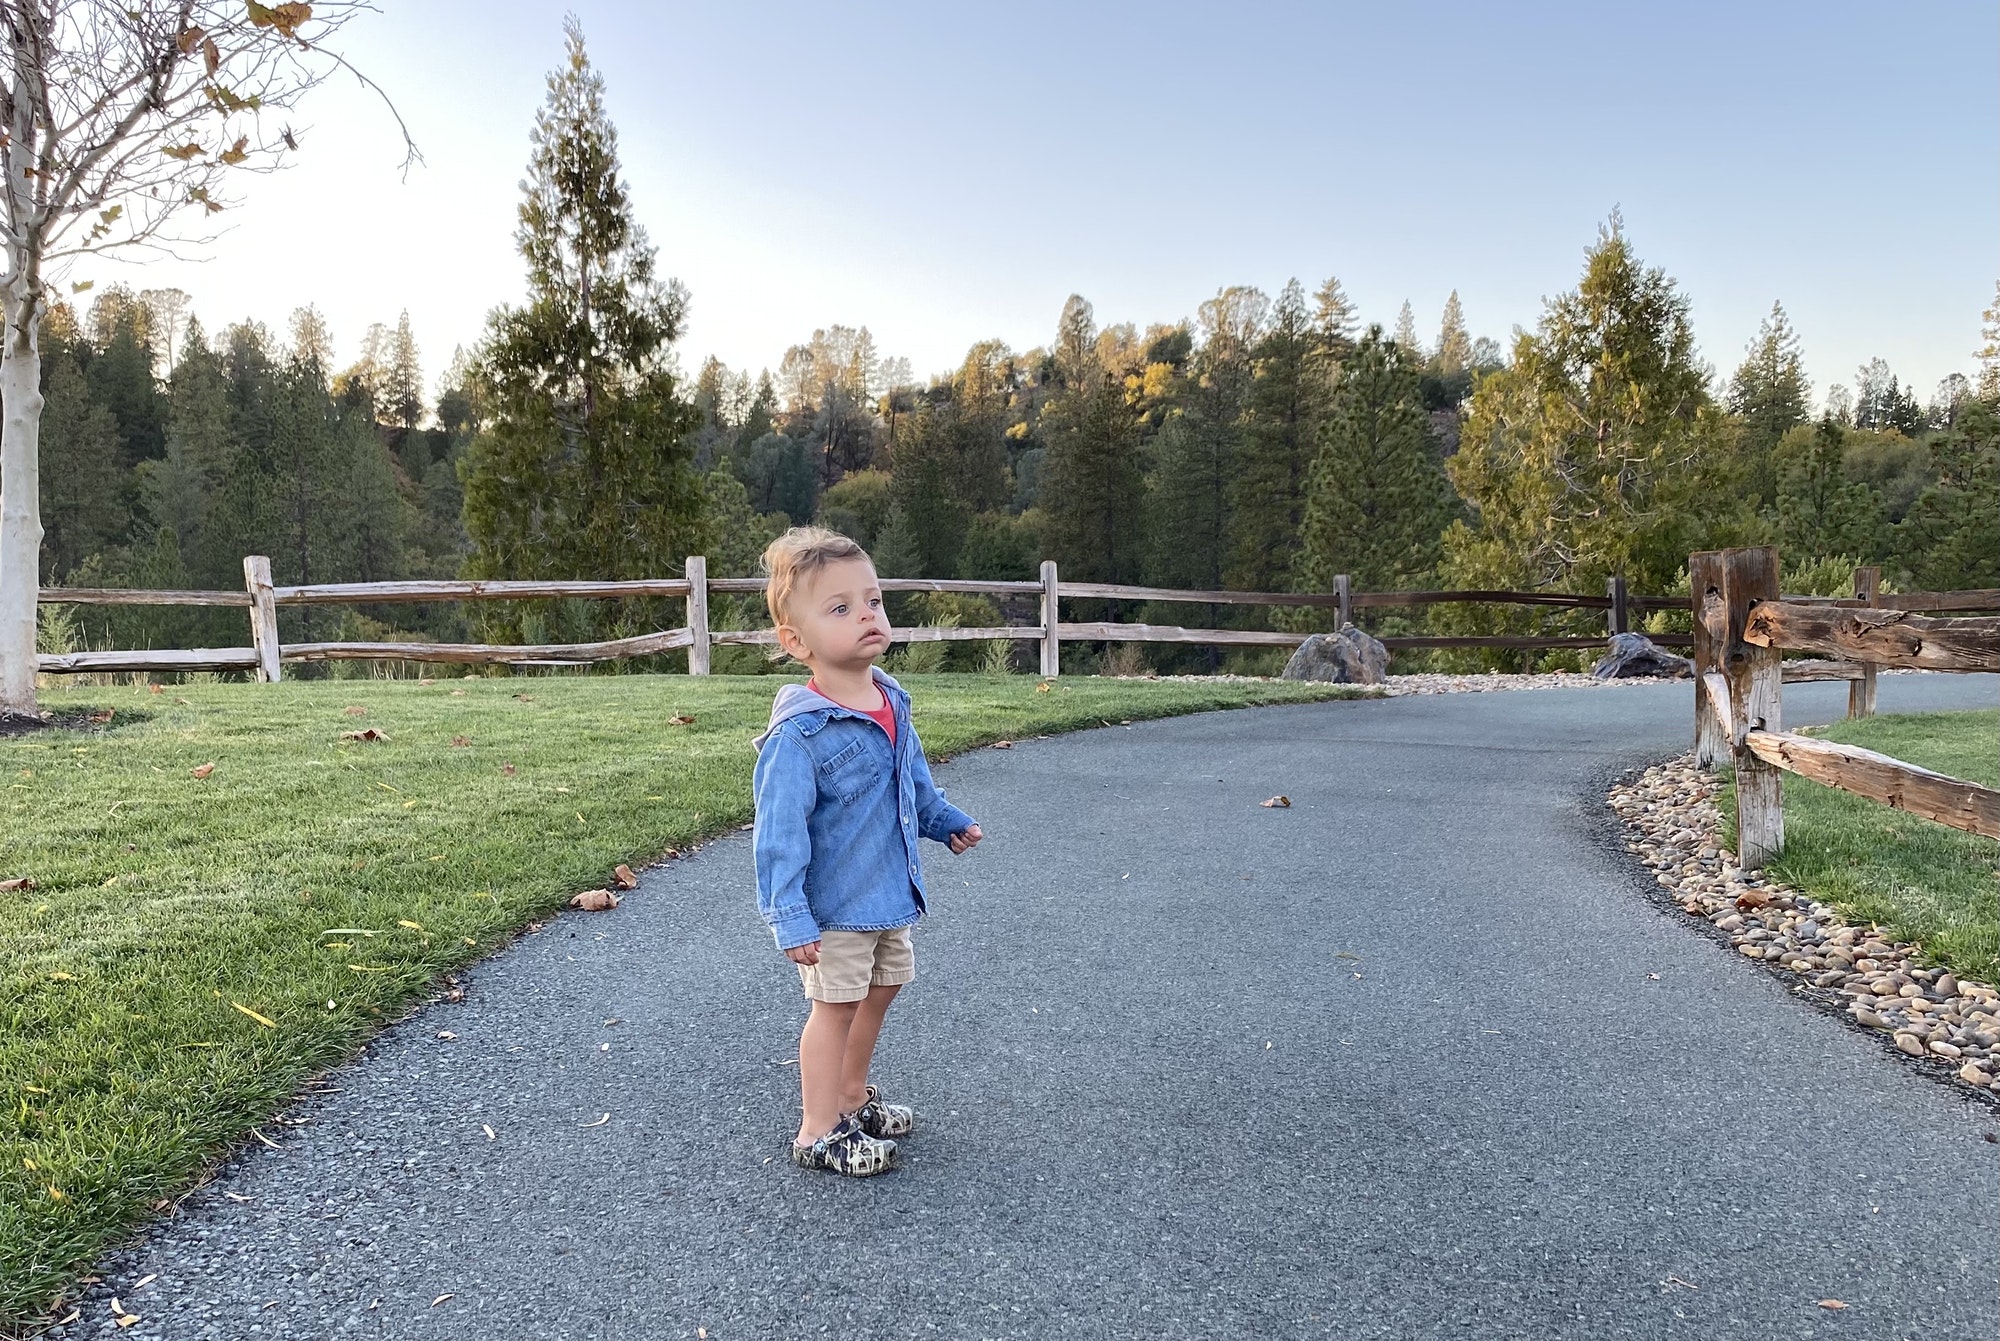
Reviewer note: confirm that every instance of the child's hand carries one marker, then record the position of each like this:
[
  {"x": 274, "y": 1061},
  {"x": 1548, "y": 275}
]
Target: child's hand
[
  {"x": 804, "y": 954},
  {"x": 964, "y": 840}
]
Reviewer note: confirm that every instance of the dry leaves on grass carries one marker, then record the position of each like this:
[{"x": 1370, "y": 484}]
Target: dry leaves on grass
[
  {"x": 1277, "y": 803},
  {"x": 355, "y": 710},
  {"x": 100, "y": 718},
  {"x": 623, "y": 878},
  {"x": 201, "y": 770},
  {"x": 594, "y": 900},
  {"x": 461, "y": 741},
  {"x": 680, "y": 719},
  {"x": 22, "y": 883},
  {"x": 508, "y": 770},
  {"x": 366, "y": 735}
]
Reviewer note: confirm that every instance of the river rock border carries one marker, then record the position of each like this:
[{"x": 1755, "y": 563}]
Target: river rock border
[{"x": 1952, "y": 1025}]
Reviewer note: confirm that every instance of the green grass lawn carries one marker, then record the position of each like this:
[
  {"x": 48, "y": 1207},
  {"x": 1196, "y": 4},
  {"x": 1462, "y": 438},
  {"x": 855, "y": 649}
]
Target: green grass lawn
[
  {"x": 195, "y": 947},
  {"x": 1922, "y": 880}
]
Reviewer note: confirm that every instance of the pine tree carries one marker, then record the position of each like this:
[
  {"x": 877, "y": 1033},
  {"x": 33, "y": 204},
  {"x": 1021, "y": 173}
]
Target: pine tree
[
  {"x": 1333, "y": 319},
  {"x": 121, "y": 377},
  {"x": 178, "y": 490},
  {"x": 1770, "y": 394},
  {"x": 1377, "y": 503},
  {"x": 401, "y": 401},
  {"x": 1093, "y": 490},
  {"x": 1195, "y": 451},
  {"x": 1454, "y": 347},
  {"x": 1951, "y": 537},
  {"x": 586, "y": 470},
  {"x": 1821, "y": 513},
  {"x": 1287, "y": 400},
  {"x": 312, "y": 342},
  {"x": 81, "y": 470},
  {"x": 1988, "y": 383},
  {"x": 1598, "y": 450},
  {"x": 1406, "y": 337}
]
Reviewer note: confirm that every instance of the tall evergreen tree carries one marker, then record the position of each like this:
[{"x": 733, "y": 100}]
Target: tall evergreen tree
[
  {"x": 81, "y": 470},
  {"x": 1286, "y": 402},
  {"x": 1093, "y": 489},
  {"x": 1333, "y": 318},
  {"x": 1769, "y": 394},
  {"x": 1454, "y": 348},
  {"x": 177, "y": 491},
  {"x": 1987, "y": 385},
  {"x": 1406, "y": 336},
  {"x": 1598, "y": 451},
  {"x": 121, "y": 376},
  {"x": 401, "y": 399},
  {"x": 1377, "y": 503},
  {"x": 585, "y": 470},
  {"x": 1950, "y": 541}
]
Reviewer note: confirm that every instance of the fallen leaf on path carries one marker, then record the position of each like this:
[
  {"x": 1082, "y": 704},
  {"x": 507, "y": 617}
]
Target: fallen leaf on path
[
  {"x": 594, "y": 900},
  {"x": 1752, "y": 898},
  {"x": 202, "y": 770},
  {"x": 366, "y": 734},
  {"x": 265, "y": 1139},
  {"x": 1832, "y": 1305},
  {"x": 489, "y": 1132},
  {"x": 1003, "y": 744},
  {"x": 144, "y": 1281},
  {"x": 22, "y": 883},
  {"x": 599, "y": 1123},
  {"x": 622, "y": 876},
  {"x": 446, "y": 1035},
  {"x": 1676, "y": 1280},
  {"x": 441, "y": 1298},
  {"x": 1277, "y": 803},
  {"x": 680, "y": 719},
  {"x": 264, "y": 1020},
  {"x": 236, "y": 1196}
]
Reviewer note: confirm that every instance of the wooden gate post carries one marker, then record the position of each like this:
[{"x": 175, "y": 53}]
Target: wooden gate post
[
  {"x": 1343, "y": 591},
  {"x": 1051, "y": 618},
  {"x": 263, "y": 616},
  {"x": 1711, "y": 739},
  {"x": 1614, "y": 587},
  {"x": 1756, "y": 682},
  {"x": 697, "y": 613},
  {"x": 1861, "y": 692}
]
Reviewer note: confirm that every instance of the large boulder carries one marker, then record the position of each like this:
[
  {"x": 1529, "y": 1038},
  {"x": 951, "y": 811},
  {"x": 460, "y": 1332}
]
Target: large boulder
[
  {"x": 1347, "y": 657},
  {"x": 1633, "y": 655}
]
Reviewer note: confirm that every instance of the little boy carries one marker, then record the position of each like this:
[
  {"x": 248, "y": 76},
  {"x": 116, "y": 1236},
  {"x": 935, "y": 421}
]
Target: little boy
[{"x": 843, "y": 794}]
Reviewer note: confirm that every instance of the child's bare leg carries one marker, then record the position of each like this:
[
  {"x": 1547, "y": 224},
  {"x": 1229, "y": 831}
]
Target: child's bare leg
[
  {"x": 861, "y": 1036},
  {"x": 822, "y": 1057}
]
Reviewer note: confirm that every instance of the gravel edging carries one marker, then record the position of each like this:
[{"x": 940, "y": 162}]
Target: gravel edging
[{"x": 1950, "y": 1025}]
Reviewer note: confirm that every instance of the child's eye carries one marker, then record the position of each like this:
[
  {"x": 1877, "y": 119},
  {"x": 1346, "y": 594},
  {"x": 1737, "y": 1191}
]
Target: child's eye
[
  {"x": 875, "y": 603},
  {"x": 840, "y": 609}
]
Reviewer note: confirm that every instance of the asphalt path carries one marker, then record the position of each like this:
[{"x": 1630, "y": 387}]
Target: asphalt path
[{"x": 1418, "y": 1056}]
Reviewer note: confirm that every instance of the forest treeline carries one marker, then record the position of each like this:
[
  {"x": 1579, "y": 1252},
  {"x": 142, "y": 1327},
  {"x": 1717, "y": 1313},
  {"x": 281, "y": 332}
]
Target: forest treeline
[{"x": 1264, "y": 442}]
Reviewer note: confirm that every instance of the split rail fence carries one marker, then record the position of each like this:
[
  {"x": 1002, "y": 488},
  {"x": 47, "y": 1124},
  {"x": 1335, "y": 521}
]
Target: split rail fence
[
  {"x": 266, "y": 655},
  {"x": 1740, "y": 628}
]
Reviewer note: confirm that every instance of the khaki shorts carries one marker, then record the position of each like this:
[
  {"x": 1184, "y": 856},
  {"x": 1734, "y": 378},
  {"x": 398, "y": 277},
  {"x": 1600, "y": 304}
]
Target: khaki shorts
[{"x": 850, "y": 962}]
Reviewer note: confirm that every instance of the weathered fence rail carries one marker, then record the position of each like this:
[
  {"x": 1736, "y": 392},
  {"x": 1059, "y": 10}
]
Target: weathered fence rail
[
  {"x": 1741, "y": 627},
  {"x": 262, "y": 598}
]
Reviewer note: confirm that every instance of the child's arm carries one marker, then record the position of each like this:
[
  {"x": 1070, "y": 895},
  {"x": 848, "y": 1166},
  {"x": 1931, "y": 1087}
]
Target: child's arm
[
  {"x": 785, "y": 789},
  {"x": 937, "y": 818}
]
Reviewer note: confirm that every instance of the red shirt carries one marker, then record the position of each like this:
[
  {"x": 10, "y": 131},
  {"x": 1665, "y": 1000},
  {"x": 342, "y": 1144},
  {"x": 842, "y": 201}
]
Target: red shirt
[{"x": 884, "y": 716}]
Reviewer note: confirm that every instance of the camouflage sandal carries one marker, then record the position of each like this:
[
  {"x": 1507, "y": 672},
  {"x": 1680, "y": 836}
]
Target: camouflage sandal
[
  {"x": 847, "y": 1149},
  {"x": 882, "y": 1120}
]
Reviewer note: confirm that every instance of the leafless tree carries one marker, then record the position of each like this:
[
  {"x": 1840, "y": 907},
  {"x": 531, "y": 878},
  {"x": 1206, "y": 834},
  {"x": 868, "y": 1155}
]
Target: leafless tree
[{"x": 124, "y": 124}]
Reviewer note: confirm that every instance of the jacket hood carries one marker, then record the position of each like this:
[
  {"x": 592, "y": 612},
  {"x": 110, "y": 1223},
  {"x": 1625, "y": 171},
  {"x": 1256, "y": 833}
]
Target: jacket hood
[{"x": 795, "y": 700}]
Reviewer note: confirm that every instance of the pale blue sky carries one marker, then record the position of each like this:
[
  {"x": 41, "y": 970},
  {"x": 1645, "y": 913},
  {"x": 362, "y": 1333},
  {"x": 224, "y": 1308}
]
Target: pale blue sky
[{"x": 945, "y": 173}]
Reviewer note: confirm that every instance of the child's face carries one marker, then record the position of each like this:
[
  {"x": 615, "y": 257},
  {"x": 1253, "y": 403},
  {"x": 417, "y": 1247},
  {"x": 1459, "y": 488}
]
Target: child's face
[{"x": 837, "y": 617}]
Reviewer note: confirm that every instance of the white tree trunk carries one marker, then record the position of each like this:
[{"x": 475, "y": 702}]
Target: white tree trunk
[{"x": 20, "y": 501}]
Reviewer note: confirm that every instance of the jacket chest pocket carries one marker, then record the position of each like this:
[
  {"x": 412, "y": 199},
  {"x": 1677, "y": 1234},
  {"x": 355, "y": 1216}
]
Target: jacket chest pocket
[{"x": 848, "y": 773}]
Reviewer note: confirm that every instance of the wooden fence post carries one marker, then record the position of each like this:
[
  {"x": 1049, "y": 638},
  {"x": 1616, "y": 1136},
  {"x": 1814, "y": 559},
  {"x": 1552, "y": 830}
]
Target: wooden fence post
[
  {"x": 1861, "y": 692},
  {"x": 1614, "y": 587},
  {"x": 1343, "y": 591},
  {"x": 263, "y": 616},
  {"x": 1711, "y": 741},
  {"x": 697, "y": 614},
  {"x": 1756, "y": 683},
  {"x": 1051, "y": 618}
]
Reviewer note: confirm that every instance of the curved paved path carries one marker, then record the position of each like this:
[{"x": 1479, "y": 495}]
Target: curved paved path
[{"x": 1416, "y": 1057}]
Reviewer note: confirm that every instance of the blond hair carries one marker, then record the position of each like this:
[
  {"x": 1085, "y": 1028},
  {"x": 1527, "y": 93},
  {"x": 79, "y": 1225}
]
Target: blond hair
[{"x": 795, "y": 556}]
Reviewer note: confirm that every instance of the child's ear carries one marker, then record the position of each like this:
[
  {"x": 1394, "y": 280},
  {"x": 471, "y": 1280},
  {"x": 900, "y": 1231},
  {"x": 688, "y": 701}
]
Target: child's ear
[{"x": 793, "y": 645}]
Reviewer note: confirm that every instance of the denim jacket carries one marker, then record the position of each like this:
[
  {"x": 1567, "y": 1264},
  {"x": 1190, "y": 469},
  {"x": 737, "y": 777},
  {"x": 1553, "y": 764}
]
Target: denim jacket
[{"x": 839, "y": 813}]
